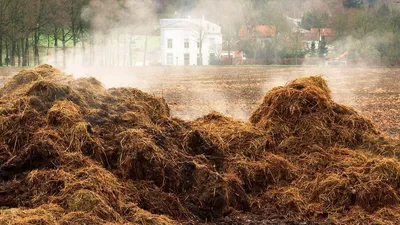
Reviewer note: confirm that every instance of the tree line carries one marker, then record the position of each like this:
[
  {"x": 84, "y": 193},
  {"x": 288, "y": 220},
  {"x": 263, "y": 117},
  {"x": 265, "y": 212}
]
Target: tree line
[
  {"x": 32, "y": 30},
  {"x": 366, "y": 29},
  {"x": 28, "y": 25},
  {"x": 373, "y": 29}
]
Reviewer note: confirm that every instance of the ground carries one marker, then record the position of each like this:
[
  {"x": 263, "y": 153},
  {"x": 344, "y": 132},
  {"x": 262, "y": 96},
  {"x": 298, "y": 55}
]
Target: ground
[{"x": 194, "y": 91}]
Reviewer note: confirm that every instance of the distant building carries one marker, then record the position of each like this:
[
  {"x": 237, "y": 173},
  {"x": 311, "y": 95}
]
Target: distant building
[
  {"x": 309, "y": 38},
  {"x": 259, "y": 32},
  {"x": 189, "y": 42},
  {"x": 228, "y": 58},
  {"x": 315, "y": 35},
  {"x": 328, "y": 33}
]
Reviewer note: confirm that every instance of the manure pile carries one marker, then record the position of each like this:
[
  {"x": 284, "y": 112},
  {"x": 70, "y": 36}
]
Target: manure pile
[{"x": 73, "y": 152}]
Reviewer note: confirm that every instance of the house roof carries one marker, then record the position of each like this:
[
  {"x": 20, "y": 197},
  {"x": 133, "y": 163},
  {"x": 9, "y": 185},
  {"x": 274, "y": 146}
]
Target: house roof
[
  {"x": 179, "y": 23},
  {"x": 261, "y": 31},
  {"x": 324, "y": 31},
  {"x": 186, "y": 23}
]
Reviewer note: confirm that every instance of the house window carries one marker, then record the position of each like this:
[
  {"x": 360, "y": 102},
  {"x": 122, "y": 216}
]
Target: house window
[
  {"x": 170, "y": 59},
  {"x": 169, "y": 43},
  {"x": 186, "y": 43},
  {"x": 186, "y": 59}
]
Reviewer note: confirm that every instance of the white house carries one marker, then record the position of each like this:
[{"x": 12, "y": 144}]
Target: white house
[{"x": 187, "y": 41}]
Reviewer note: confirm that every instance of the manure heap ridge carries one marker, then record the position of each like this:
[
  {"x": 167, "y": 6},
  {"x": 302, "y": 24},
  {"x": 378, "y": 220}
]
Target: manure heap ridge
[{"x": 73, "y": 152}]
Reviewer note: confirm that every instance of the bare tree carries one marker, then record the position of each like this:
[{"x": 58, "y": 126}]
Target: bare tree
[{"x": 4, "y": 21}]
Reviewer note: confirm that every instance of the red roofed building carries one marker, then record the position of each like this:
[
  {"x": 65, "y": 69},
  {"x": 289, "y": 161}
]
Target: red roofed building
[
  {"x": 259, "y": 31},
  {"x": 328, "y": 33}
]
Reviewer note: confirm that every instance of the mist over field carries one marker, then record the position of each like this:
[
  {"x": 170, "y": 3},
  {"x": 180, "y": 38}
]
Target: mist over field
[{"x": 112, "y": 28}]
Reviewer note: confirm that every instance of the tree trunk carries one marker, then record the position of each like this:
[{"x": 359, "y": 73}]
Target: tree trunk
[
  {"x": 74, "y": 41},
  {"x": 22, "y": 43},
  {"x": 36, "y": 47},
  {"x": 55, "y": 47},
  {"x": 83, "y": 52},
  {"x": 1, "y": 34},
  {"x": 7, "y": 62},
  {"x": 100, "y": 51},
  {"x": 12, "y": 58},
  {"x": 91, "y": 49},
  {"x": 28, "y": 59},
  {"x": 63, "y": 47},
  {"x": 48, "y": 45},
  {"x": 1, "y": 48},
  {"x": 19, "y": 53},
  {"x": 25, "y": 52},
  {"x": 12, "y": 54}
]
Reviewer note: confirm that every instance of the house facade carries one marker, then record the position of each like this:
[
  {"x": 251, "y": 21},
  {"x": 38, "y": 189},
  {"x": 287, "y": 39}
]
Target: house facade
[{"x": 187, "y": 42}]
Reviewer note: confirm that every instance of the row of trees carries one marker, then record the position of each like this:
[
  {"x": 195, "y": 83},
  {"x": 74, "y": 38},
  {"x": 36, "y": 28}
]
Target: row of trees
[
  {"x": 26, "y": 26},
  {"x": 61, "y": 31},
  {"x": 102, "y": 31}
]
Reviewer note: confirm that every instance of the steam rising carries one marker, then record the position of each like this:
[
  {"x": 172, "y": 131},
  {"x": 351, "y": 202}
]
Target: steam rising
[{"x": 116, "y": 26}]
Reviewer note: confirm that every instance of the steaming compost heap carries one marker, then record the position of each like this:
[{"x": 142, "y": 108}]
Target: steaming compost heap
[{"x": 73, "y": 152}]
